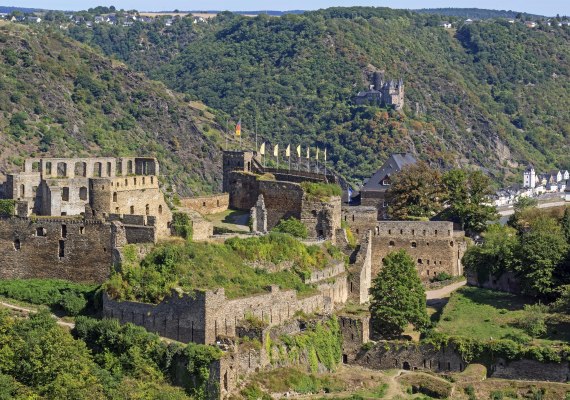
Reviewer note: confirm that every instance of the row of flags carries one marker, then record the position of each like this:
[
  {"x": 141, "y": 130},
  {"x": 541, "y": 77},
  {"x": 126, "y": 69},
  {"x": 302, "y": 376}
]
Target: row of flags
[{"x": 262, "y": 151}]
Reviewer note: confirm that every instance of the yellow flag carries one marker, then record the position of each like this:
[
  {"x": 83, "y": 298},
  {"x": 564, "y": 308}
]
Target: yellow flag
[
  {"x": 288, "y": 151},
  {"x": 308, "y": 152},
  {"x": 262, "y": 149},
  {"x": 325, "y": 153},
  {"x": 317, "y": 153},
  {"x": 299, "y": 151},
  {"x": 276, "y": 150}
]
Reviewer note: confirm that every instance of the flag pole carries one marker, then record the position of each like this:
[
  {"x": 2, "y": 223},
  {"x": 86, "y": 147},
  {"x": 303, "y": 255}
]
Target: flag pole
[
  {"x": 227, "y": 132},
  {"x": 256, "y": 131}
]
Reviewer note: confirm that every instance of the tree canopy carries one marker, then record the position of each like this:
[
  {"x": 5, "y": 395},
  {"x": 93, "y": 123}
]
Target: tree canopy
[{"x": 397, "y": 296}]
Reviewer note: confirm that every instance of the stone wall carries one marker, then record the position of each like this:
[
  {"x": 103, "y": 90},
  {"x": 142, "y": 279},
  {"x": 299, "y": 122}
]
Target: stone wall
[
  {"x": 322, "y": 218},
  {"x": 64, "y": 248},
  {"x": 407, "y": 356},
  {"x": 360, "y": 219},
  {"x": 531, "y": 370},
  {"x": 355, "y": 333},
  {"x": 507, "y": 282},
  {"x": 360, "y": 277},
  {"x": 203, "y": 316},
  {"x": 206, "y": 205}
]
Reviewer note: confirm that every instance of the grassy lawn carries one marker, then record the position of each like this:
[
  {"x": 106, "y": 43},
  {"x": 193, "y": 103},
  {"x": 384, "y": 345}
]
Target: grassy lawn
[
  {"x": 231, "y": 220},
  {"x": 484, "y": 314}
]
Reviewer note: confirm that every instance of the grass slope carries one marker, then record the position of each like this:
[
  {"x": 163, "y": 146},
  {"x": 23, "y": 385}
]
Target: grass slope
[{"x": 483, "y": 314}]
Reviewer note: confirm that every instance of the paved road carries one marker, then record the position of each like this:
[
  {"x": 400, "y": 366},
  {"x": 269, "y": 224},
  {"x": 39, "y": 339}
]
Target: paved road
[
  {"x": 444, "y": 291},
  {"x": 511, "y": 211}
]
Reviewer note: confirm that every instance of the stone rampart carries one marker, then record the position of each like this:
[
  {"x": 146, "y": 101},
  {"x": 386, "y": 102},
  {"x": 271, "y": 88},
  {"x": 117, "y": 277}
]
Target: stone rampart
[
  {"x": 506, "y": 282},
  {"x": 337, "y": 268},
  {"x": 206, "y": 205},
  {"x": 64, "y": 248},
  {"x": 435, "y": 246},
  {"x": 203, "y": 316}
]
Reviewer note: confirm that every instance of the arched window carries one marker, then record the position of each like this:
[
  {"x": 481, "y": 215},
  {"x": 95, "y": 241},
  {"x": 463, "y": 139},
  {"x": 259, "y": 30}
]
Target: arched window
[
  {"x": 147, "y": 209},
  {"x": 61, "y": 169},
  {"x": 97, "y": 169},
  {"x": 129, "y": 167},
  {"x": 114, "y": 197},
  {"x": 160, "y": 209},
  {"x": 17, "y": 244},
  {"x": 132, "y": 209},
  {"x": 391, "y": 243},
  {"x": 119, "y": 167},
  {"x": 109, "y": 168},
  {"x": 80, "y": 169},
  {"x": 22, "y": 191},
  {"x": 48, "y": 168},
  {"x": 451, "y": 243},
  {"x": 126, "y": 182}
]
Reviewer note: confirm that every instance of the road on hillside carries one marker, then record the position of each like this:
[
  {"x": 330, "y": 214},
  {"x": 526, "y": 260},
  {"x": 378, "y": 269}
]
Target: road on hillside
[{"x": 59, "y": 321}]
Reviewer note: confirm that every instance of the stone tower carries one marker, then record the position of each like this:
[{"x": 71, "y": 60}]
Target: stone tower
[
  {"x": 529, "y": 177},
  {"x": 238, "y": 160}
]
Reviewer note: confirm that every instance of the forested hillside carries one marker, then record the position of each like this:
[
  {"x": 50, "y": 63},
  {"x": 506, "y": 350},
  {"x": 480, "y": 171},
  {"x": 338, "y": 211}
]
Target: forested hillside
[
  {"x": 489, "y": 94},
  {"x": 61, "y": 98}
]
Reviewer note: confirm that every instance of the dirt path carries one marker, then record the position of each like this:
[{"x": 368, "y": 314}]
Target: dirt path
[
  {"x": 59, "y": 321},
  {"x": 444, "y": 291}
]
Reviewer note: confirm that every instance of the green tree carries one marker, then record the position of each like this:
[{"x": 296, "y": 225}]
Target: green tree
[
  {"x": 416, "y": 192},
  {"x": 467, "y": 197},
  {"x": 566, "y": 224},
  {"x": 542, "y": 250},
  {"x": 398, "y": 297},
  {"x": 496, "y": 255}
]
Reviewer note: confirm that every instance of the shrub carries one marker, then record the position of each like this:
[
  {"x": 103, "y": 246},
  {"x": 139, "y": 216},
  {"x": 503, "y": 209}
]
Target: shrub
[
  {"x": 533, "y": 321},
  {"x": 182, "y": 226},
  {"x": 442, "y": 276},
  {"x": 73, "y": 303},
  {"x": 321, "y": 191},
  {"x": 293, "y": 227},
  {"x": 7, "y": 208}
]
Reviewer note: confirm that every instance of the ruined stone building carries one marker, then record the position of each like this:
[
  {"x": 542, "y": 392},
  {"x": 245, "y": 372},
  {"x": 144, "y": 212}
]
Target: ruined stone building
[
  {"x": 373, "y": 192},
  {"x": 73, "y": 216},
  {"x": 382, "y": 93},
  {"x": 247, "y": 181}
]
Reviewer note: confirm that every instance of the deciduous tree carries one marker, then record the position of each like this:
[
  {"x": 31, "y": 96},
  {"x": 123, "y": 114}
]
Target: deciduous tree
[{"x": 416, "y": 192}]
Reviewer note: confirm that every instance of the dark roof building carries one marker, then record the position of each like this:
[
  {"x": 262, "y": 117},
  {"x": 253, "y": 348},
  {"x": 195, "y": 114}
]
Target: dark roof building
[
  {"x": 381, "y": 178},
  {"x": 373, "y": 192}
]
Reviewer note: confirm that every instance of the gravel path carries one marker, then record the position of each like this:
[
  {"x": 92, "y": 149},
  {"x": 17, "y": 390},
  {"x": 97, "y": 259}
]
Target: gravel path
[{"x": 444, "y": 291}]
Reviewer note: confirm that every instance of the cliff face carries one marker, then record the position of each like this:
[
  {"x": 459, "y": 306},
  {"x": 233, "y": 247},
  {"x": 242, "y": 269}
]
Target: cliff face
[{"x": 61, "y": 98}]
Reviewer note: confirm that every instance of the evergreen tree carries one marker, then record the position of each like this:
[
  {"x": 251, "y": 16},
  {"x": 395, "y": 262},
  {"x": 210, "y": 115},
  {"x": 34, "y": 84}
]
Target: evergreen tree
[{"x": 398, "y": 297}]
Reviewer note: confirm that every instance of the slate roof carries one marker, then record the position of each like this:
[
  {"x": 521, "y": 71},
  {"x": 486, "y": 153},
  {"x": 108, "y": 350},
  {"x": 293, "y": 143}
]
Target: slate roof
[{"x": 393, "y": 164}]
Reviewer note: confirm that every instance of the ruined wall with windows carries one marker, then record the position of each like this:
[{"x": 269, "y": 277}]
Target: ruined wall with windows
[
  {"x": 206, "y": 205},
  {"x": 435, "y": 246},
  {"x": 64, "y": 248}
]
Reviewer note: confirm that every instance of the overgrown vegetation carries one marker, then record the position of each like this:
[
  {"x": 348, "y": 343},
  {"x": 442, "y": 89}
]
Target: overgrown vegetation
[
  {"x": 73, "y": 298},
  {"x": 534, "y": 248},
  {"x": 320, "y": 344},
  {"x": 193, "y": 266},
  {"x": 320, "y": 190},
  {"x": 7, "y": 207},
  {"x": 481, "y": 314},
  {"x": 106, "y": 361},
  {"x": 293, "y": 227},
  {"x": 181, "y": 225}
]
